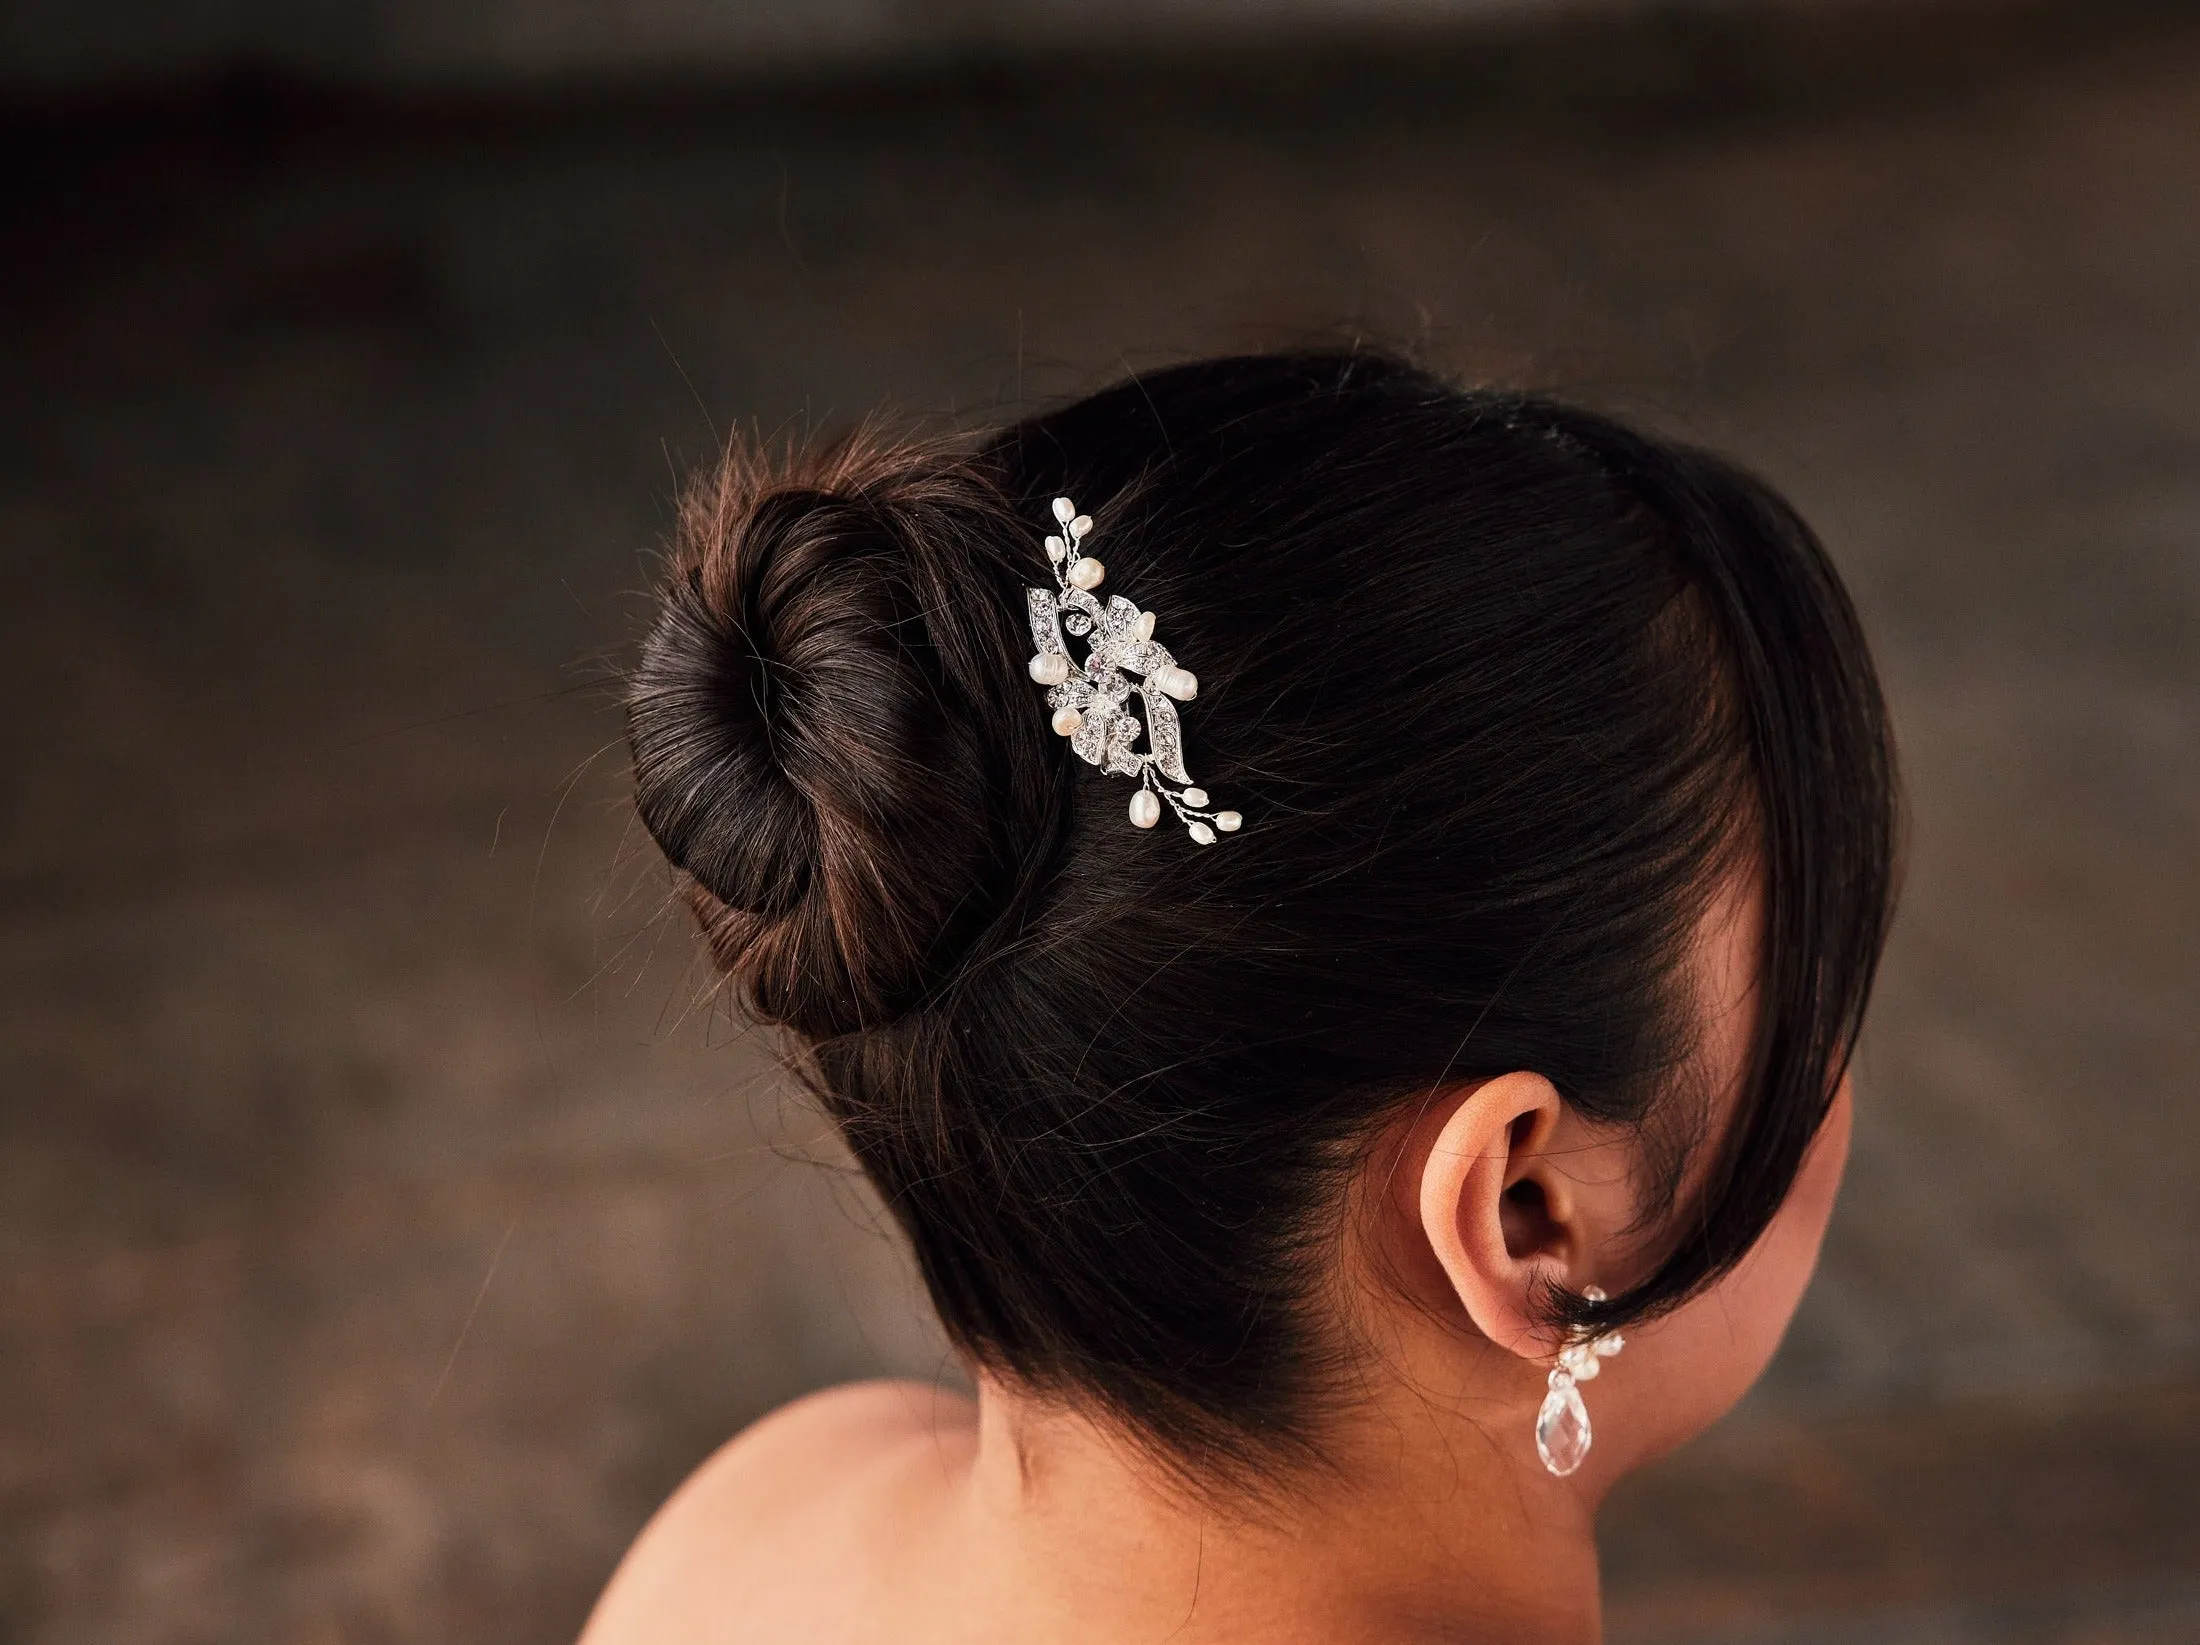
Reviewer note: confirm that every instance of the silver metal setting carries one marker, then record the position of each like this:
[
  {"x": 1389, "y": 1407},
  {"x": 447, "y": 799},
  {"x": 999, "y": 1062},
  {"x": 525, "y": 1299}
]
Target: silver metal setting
[{"x": 1091, "y": 700}]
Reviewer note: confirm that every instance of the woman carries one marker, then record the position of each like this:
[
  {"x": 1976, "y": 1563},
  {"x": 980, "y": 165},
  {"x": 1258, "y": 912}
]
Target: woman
[{"x": 1292, "y": 1176}]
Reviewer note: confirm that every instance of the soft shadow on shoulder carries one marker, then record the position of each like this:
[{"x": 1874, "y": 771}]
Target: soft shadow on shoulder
[{"x": 795, "y": 1500}]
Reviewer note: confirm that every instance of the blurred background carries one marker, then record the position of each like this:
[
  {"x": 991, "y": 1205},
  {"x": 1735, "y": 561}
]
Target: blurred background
[{"x": 387, "y": 1221}]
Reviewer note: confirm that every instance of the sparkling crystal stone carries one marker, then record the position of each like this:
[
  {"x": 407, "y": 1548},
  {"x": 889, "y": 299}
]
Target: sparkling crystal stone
[
  {"x": 1165, "y": 735},
  {"x": 1195, "y": 796},
  {"x": 1045, "y": 634},
  {"x": 1078, "y": 624},
  {"x": 1123, "y": 759},
  {"x": 1141, "y": 656},
  {"x": 1562, "y": 1429},
  {"x": 1090, "y": 741}
]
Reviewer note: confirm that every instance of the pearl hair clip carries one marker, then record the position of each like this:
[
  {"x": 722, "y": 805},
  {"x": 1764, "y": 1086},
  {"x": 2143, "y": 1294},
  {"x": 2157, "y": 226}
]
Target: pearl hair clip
[{"x": 1090, "y": 703}]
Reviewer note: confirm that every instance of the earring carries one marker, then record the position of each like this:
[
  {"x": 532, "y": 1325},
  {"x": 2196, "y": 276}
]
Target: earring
[{"x": 1562, "y": 1433}]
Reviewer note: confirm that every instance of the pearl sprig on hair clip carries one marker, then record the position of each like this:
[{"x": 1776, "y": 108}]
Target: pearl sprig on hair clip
[{"x": 1090, "y": 703}]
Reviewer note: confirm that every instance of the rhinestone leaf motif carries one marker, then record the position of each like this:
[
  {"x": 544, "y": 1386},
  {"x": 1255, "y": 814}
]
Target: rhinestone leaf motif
[{"x": 1091, "y": 705}]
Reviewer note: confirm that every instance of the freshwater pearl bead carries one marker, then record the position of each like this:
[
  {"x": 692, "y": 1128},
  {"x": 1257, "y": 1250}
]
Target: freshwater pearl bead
[
  {"x": 1194, "y": 796},
  {"x": 1087, "y": 572},
  {"x": 1050, "y": 668},
  {"x": 1056, "y": 548},
  {"x": 1145, "y": 809},
  {"x": 1202, "y": 834},
  {"x": 1145, "y": 625},
  {"x": 1064, "y": 510},
  {"x": 1079, "y": 526},
  {"x": 1228, "y": 821},
  {"x": 1180, "y": 683},
  {"x": 1066, "y": 722}
]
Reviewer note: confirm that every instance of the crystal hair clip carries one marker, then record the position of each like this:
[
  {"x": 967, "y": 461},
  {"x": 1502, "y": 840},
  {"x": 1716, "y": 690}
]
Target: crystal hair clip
[{"x": 1091, "y": 703}]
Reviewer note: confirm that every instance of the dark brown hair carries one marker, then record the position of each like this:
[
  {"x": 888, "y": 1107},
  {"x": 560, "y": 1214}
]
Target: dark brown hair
[{"x": 1502, "y": 688}]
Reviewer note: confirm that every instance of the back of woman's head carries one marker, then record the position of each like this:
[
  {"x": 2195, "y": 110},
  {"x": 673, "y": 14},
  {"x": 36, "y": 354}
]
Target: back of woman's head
[{"x": 1503, "y": 690}]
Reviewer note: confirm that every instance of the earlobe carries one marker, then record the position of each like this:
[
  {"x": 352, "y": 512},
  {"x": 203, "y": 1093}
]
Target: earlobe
[{"x": 1499, "y": 1222}]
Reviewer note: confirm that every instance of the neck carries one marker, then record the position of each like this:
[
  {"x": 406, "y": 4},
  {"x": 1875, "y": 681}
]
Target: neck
[{"x": 1425, "y": 1526}]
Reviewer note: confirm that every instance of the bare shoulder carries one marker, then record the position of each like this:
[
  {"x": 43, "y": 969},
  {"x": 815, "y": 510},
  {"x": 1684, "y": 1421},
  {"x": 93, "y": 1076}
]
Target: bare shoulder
[{"x": 782, "y": 1515}]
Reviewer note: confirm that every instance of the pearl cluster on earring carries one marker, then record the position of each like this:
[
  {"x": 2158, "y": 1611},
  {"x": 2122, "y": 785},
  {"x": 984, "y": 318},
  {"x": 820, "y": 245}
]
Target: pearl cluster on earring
[
  {"x": 1091, "y": 701},
  {"x": 1562, "y": 1432}
]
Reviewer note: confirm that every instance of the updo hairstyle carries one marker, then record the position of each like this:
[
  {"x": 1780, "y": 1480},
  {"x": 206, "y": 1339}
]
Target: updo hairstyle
[{"x": 1504, "y": 690}]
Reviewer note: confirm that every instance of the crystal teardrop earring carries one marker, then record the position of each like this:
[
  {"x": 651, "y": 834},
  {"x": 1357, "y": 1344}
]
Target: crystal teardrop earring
[{"x": 1562, "y": 1433}]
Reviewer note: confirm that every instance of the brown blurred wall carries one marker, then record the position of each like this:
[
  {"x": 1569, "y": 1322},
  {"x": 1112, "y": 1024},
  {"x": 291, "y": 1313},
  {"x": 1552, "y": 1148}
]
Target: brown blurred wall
[{"x": 49, "y": 46}]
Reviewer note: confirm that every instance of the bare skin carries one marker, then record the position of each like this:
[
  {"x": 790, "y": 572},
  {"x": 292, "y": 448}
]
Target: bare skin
[{"x": 897, "y": 1512}]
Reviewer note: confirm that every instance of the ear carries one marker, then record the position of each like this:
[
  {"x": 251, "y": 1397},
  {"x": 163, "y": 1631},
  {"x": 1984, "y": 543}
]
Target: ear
[{"x": 1503, "y": 1220}]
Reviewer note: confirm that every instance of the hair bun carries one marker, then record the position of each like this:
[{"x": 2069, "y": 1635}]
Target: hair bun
[{"x": 819, "y": 739}]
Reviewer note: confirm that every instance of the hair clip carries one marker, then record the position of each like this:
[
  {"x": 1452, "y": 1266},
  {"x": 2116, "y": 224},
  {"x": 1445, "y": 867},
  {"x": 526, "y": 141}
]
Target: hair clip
[{"x": 1091, "y": 703}]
